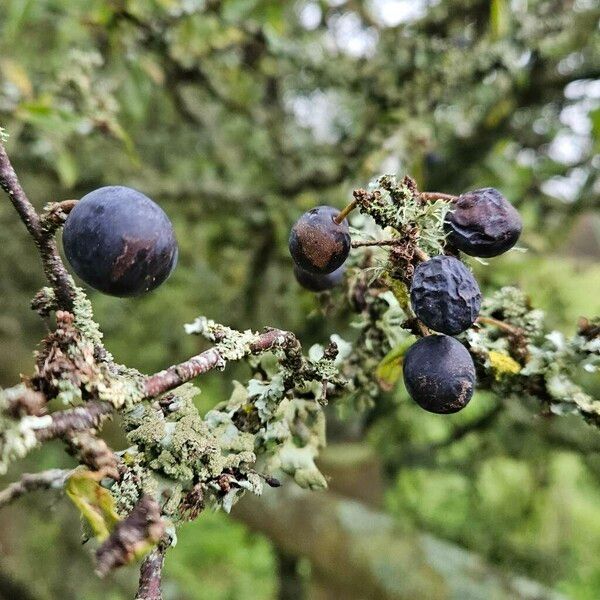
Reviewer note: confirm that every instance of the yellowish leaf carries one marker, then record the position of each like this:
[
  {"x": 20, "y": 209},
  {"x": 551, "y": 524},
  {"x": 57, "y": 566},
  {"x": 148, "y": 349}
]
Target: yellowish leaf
[{"x": 93, "y": 501}]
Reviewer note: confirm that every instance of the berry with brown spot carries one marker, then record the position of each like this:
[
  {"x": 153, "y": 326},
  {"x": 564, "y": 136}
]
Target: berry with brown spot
[
  {"x": 120, "y": 242},
  {"x": 318, "y": 244}
]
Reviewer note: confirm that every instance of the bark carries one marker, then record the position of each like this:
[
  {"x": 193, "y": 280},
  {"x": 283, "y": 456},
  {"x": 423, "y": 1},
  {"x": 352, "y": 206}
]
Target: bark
[{"x": 364, "y": 554}]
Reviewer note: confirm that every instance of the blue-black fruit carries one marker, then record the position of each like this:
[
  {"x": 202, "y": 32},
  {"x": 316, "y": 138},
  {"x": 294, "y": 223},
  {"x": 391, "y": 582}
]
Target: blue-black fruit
[
  {"x": 317, "y": 243},
  {"x": 120, "y": 242},
  {"x": 483, "y": 223},
  {"x": 316, "y": 282},
  {"x": 445, "y": 295},
  {"x": 439, "y": 374}
]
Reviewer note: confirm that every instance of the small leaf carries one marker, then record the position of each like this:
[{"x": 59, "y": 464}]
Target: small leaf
[
  {"x": 400, "y": 292},
  {"x": 389, "y": 369},
  {"x": 95, "y": 503},
  {"x": 66, "y": 168}
]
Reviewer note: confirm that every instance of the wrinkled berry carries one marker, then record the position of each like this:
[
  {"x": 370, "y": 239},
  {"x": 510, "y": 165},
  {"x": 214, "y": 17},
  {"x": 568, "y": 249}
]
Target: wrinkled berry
[
  {"x": 483, "y": 223},
  {"x": 445, "y": 295},
  {"x": 120, "y": 242},
  {"x": 317, "y": 243},
  {"x": 316, "y": 282},
  {"x": 439, "y": 374}
]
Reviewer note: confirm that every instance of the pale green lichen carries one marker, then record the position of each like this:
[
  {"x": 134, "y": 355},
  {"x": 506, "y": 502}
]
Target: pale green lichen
[
  {"x": 231, "y": 344},
  {"x": 18, "y": 438},
  {"x": 84, "y": 320},
  {"x": 395, "y": 204}
]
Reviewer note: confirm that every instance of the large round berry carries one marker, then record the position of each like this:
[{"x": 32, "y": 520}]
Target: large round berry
[
  {"x": 120, "y": 242},
  {"x": 483, "y": 223},
  {"x": 316, "y": 282},
  {"x": 445, "y": 295},
  {"x": 439, "y": 374},
  {"x": 317, "y": 243}
]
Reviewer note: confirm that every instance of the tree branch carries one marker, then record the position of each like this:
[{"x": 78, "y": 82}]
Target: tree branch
[
  {"x": 54, "y": 268},
  {"x": 30, "y": 482},
  {"x": 151, "y": 575},
  {"x": 82, "y": 418},
  {"x": 213, "y": 358}
]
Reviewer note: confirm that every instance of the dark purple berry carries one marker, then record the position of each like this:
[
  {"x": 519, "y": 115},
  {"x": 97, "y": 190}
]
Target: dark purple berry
[
  {"x": 483, "y": 223},
  {"x": 316, "y": 282},
  {"x": 445, "y": 295},
  {"x": 439, "y": 374},
  {"x": 120, "y": 242},
  {"x": 317, "y": 243}
]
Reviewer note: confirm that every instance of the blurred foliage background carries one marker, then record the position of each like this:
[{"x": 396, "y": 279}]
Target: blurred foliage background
[{"x": 237, "y": 115}]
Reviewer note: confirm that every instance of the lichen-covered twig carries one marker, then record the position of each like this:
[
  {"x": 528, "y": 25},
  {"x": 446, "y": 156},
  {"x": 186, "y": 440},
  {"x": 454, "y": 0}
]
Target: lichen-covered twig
[
  {"x": 55, "y": 215},
  {"x": 30, "y": 482},
  {"x": 216, "y": 358},
  {"x": 151, "y": 575},
  {"x": 54, "y": 268},
  {"x": 134, "y": 536},
  {"x": 81, "y": 418}
]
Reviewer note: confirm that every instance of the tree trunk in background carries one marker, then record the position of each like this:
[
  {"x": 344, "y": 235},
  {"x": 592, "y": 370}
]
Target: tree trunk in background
[
  {"x": 364, "y": 554},
  {"x": 359, "y": 553},
  {"x": 291, "y": 584}
]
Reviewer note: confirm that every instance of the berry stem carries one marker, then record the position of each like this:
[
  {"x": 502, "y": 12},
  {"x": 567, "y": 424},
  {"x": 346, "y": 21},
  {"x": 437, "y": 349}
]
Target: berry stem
[
  {"x": 366, "y": 243},
  {"x": 511, "y": 329},
  {"x": 433, "y": 196},
  {"x": 345, "y": 212},
  {"x": 56, "y": 214},
  {"x": 423, "y": 328},
  {"x": 420, "y": 255}
]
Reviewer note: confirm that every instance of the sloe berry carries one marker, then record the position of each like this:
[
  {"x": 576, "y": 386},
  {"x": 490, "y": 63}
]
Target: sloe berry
[
  {"x": 316, "y": 282},
  {"x": 317, "y": 243},
  {"x": 483, "y": 223},
  {"x": 439, "y": 374},
  {"x": 120, "y": 242},
  {"x": 445, "y": 295}
]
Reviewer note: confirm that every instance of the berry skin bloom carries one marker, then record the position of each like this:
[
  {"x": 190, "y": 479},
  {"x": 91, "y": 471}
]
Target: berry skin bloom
[
  {"x": 317, "y": 243},
  {"x": 120, "y": 242},
  {"x": 483, "y": 223},
  {"x": 445, "y": 295},
  {"x": 439, "y": 374},
  {"x": 315, "y": 282}
]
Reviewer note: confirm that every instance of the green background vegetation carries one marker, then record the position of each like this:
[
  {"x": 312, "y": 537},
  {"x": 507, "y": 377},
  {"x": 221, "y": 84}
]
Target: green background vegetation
[{"x": 237, "y": 115}]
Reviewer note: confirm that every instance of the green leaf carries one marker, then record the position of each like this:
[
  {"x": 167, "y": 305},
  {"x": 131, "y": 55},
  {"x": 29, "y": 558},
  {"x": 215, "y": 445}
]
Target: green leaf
[
  {"x": 66, "y": 168},
  {"x": 389, "y": 369}
]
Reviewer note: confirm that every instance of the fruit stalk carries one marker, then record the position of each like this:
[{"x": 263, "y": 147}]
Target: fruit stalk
[
  {"x": 506, "y": 327},
  {"x": 346, "y": 211},
  {"x": 433, "y": 196}
]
